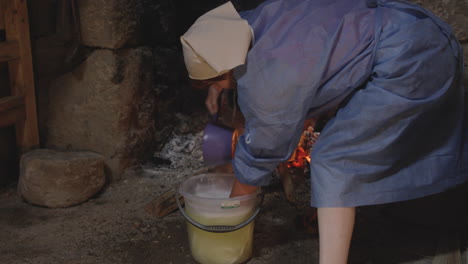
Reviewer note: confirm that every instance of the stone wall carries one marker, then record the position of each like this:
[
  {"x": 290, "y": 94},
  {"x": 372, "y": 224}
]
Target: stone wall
[
  {"x": 96, "y": 86},
  {"x": 114, "y": 82}
]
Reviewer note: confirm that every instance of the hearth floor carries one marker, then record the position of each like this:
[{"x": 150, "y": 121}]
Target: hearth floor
[{"x": 113, "y": 227}]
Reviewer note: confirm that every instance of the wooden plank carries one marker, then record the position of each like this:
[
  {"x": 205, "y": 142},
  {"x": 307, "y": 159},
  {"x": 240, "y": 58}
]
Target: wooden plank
[
  {"x": 11, "y": 116},
  {"x": 10, "y": 102},
  {"x": 163, "y": 204},
  {"x": 2, "y": 17},
  {"x": 21, "y": 72},
  {"x": 9, "y": 50}
]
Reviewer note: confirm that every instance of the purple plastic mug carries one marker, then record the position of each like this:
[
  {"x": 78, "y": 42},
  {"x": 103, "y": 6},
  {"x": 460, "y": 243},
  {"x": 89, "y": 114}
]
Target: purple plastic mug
[{"x": 217, "y": 144}]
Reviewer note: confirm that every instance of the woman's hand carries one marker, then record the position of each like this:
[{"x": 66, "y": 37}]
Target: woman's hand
[
  {"x": 239, "y": 189},
  {"x": 211, "y": 101}
]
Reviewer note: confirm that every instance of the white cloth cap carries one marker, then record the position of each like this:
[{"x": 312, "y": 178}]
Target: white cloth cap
[{"x": 217, "y": 42}]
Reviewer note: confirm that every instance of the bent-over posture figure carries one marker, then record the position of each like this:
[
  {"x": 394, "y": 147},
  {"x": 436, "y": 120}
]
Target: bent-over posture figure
[{"x": 393, "y": 68}]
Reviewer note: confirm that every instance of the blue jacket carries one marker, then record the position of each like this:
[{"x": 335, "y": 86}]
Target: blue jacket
[{"x": 402, "y": 132}]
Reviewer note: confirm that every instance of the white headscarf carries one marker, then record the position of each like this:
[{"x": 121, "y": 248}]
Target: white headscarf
[{"x": 217, "y": 42}]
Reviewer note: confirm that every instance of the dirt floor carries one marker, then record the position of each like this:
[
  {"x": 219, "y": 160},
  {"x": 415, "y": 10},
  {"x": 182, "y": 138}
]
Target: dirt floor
[{"x": 114, "y": 228}]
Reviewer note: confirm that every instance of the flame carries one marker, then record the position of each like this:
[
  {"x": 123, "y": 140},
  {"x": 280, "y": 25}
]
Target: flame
[{"x": 301, "y": 156}]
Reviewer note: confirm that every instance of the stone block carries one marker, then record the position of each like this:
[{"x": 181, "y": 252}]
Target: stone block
[
  {"x": 110, "y": 24},
  {"x": 105, "y": 105},
  {"x": 60, "y": 179}
]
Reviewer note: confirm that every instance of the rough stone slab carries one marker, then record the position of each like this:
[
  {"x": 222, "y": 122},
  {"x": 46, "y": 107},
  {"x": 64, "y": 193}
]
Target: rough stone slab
[
  {"x": 60, "y": 179},
  {"x": 105, "y": 105},
  {"x": 110, "y": 24}
]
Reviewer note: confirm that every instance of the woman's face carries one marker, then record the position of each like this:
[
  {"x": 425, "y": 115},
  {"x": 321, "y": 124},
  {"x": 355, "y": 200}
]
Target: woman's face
[
  {"x": 214, "y": 91},
  {"x": 223, "y": 84}
]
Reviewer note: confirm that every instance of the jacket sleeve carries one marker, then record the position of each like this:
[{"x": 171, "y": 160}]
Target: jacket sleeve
[
  {"x": 262, "y": 148},
  {"x": 274, "y": 114}
]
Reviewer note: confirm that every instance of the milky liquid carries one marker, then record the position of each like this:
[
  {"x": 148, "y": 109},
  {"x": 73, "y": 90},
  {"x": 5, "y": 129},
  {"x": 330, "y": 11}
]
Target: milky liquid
[{"x": 220, "y": 248}]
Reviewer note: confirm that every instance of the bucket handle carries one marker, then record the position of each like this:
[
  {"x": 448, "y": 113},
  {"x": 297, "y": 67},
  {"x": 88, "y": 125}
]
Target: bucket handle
[{"x": 217, "y": 228}]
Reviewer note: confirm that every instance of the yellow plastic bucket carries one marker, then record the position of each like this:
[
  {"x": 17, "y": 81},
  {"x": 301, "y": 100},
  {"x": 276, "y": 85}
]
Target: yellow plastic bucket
[{"x": 220, "y": 229}]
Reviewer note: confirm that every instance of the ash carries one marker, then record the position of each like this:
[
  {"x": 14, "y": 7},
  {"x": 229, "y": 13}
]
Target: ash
[
  {"x": 184, "y": 151},
  {"x": 180, "y": 158}
]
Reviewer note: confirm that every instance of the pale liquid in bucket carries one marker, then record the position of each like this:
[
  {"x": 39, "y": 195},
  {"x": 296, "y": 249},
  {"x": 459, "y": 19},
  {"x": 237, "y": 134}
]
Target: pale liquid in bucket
[{"x": 221, "y": 248}]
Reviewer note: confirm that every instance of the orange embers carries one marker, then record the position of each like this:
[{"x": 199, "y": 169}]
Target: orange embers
[{"x": 301, "y": 156}]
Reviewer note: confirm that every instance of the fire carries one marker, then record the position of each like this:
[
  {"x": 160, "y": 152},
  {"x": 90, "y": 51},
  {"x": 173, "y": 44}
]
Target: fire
[{"x": 301, "y": 156}]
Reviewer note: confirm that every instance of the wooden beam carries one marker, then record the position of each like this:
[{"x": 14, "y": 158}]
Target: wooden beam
[
  {"x": 11, "y": 102},
  {"x": 12, "y": 116},
  {"x": 11, "y": 110},
  {"x": 21, "y": 72},
  {"x": 9, "y": 50},
  {"x": 2, "y": 17}
]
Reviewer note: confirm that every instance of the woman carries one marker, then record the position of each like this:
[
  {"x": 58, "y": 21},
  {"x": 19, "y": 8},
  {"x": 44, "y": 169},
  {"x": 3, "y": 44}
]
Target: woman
[{"x": 394, "y": 70}]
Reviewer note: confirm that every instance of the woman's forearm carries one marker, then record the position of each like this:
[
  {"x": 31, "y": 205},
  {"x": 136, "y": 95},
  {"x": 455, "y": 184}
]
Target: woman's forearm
[{"x": 239, "y": 189}]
